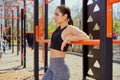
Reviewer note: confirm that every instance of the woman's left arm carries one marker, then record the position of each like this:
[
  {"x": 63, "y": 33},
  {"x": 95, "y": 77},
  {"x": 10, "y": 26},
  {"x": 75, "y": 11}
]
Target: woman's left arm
[
  {"x": 77, "y": 34},
  {"x": 74, "y": 35}
]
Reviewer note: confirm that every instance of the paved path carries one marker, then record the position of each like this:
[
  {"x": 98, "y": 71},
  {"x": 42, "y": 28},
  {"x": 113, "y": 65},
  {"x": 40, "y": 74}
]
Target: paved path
[{"x": 11, "y": 69}]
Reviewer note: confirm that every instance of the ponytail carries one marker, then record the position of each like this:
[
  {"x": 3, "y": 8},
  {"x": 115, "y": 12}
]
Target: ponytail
[{"x": 70, "y": 21}]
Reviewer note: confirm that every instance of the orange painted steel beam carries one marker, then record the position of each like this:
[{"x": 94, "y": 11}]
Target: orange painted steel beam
[
  {"x": 37, "y": 34},
  {"x": 93, "y": 42},
  {"x": 83, "y": 42},
  {"x": 86, "y": 42},
  {"x": 109, "y": 17},
  {"x": 113, "y": 1}
]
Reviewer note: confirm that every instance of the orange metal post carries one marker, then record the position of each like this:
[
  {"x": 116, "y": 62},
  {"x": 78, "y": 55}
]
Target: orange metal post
[
  {"x": 109, "y": 21},
  {"x": 37, "y": 34},
  {"x": 109, "y": 17},
  {"x": 113, "y": 1},
  {"x": 41, "y": 31}
]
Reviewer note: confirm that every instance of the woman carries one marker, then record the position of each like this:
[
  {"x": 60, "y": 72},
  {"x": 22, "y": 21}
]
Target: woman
[{"x": 60, "y": 40}]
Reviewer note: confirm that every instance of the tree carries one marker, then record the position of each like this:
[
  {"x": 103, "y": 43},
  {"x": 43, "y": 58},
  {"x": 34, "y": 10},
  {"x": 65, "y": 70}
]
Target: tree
[{"x": 116, "y": 26}]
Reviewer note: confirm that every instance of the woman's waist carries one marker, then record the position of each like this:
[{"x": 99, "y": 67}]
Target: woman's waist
[
  {"x": 56, "y": 53},
  {"x": 57, "y": 62}
]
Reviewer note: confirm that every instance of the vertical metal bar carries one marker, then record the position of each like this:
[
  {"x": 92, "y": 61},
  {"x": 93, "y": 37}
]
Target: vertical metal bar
[
  {"x": 62, "y": 2},
  {"x": 46, "y": 36},
  {"x": 24, "y": 34},
  {"x": 5, "y": 20},
  {"x": 12, "y": 32},
  {"x": 36, "y": 44},
  {"x": 85, "y": 48},
  {"x": 1, "y": 36},
  {"x": 22, "y": 37},
  {"x": 109, "y": 20},
  {"x": 9, "y": 33},
  {"x": 5, "y": 25},
  {"x": 17, "y": 31},
  {"x": 1, "y": 32},
  {"x": 105, "y": 45}
]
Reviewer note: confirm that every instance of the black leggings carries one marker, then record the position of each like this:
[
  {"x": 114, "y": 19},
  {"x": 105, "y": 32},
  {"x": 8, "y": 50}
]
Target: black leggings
[{"x": 58, "y": 70}]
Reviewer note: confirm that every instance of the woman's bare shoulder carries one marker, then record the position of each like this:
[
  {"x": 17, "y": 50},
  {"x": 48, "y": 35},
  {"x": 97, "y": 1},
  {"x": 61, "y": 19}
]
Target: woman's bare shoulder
[
  {"x": 70, "y": 26},
  {"x": 73, "y": 28}
]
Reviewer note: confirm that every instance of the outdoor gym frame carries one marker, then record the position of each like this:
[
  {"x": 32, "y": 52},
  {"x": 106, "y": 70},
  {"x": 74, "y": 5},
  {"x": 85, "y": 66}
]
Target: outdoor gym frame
[
  {"x": 12, "y": 28},
  {"x": 102, "y": 37},
  {"x": 99, "y": 47}
]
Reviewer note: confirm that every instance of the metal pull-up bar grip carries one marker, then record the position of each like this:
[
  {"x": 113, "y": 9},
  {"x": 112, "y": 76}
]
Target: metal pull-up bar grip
[{"x": 85, "y": 42}]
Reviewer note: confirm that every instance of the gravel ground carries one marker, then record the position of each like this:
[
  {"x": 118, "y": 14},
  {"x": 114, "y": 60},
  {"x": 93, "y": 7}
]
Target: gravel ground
[{"x": 11, "y": 69}]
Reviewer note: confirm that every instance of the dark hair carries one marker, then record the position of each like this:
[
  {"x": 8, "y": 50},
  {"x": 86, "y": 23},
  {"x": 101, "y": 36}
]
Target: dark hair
[{"x": 66, "y": 10}]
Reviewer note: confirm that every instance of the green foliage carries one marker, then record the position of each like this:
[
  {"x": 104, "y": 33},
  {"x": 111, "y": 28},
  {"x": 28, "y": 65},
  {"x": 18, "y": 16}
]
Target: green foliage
[
  {"x": 51, "y": 27},
  {"x": 116, "y": 26}
]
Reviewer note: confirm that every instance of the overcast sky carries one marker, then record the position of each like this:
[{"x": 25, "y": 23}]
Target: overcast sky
[{"x": 71, "y": 3}]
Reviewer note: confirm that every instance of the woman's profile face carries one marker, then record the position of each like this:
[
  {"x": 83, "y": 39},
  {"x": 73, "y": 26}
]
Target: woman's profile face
[{"x": 58, "y": 17}]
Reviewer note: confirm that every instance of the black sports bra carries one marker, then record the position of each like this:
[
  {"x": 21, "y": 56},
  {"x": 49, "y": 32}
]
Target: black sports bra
[{"x": 56, "y": 40}]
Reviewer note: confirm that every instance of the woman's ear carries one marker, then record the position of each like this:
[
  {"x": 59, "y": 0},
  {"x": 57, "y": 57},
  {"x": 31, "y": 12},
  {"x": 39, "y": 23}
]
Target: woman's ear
[{"x": 65, "y": 16}]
